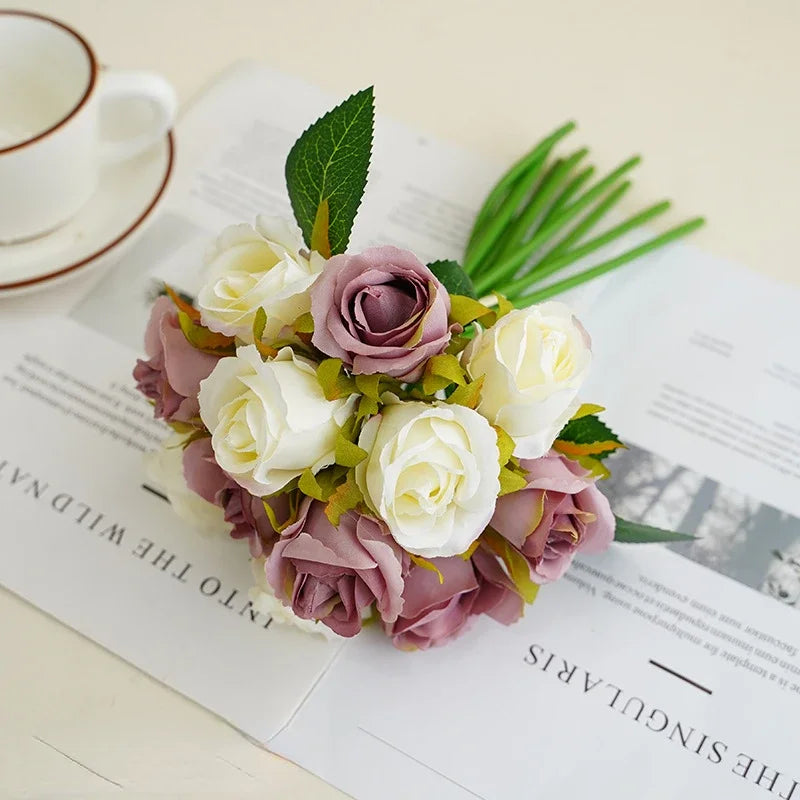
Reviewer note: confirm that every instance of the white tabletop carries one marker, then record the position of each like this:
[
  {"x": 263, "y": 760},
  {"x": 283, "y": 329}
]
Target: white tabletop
[{"x": 706, "y": 91}]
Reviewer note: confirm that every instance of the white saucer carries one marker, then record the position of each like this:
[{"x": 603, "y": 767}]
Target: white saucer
[{"x": 127, "y": 195}]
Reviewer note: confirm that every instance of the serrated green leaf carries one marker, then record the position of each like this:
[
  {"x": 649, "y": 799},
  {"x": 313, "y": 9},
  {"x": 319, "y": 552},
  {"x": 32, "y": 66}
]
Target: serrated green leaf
[
  {"x": 452, "y": 276},
  {"x": 587, "y": 436},
  {"x": 635, "y": 533},
  {"x": 329, "y": 162}
]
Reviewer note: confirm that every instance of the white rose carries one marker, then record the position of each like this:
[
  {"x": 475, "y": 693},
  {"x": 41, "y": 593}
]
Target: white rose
[
  {"x": 432, "y": 475},
  {"x": 164, "y": 468},
  {"x": 269, "y": 420},
  {"x": 264, "y": 601},
  {"x": 534, "y": 361},
  {"x": 251, "y": 268}
]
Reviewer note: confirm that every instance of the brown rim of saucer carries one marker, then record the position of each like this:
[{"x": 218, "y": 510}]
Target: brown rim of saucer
[
  {"x": 4, "y": 287},
  {"x": 89, "y": 88}
]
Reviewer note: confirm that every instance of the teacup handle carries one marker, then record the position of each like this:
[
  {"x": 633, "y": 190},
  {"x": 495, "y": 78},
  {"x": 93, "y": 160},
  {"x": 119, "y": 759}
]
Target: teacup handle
[{"x": 121, "y": 85}]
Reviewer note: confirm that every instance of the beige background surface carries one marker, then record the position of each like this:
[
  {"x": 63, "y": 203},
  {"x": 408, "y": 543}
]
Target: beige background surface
[{"x": 707, "y": 91}]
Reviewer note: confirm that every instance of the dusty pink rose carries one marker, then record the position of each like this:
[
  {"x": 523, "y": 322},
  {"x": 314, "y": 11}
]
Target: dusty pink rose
[
  {"x": 559, "y": 513},
  {"x": 382, "y": 311},
  {"x": 334, "y": 574},
  {"x": 436, "y": 612},
  {"x": 243, "y": 511},
  {"x": 497, "y": 595},
  {"x": 172, "y": 373}
]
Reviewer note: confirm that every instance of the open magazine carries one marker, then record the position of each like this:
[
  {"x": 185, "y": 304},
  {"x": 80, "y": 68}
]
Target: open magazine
[{"x": 650, "y": 671}]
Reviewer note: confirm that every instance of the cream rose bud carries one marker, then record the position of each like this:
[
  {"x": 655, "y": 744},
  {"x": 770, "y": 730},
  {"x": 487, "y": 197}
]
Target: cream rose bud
[
  {"x": 432, "y": 475},
  {"x": 269, "y": 420},
  {"x": 534, "y": 361},
  {"x": 257, "y": 267}
]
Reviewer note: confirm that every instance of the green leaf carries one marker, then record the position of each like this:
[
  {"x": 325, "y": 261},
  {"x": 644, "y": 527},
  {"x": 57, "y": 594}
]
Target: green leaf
[
  {"x": 367, "y": 407},
  {"x": 259, "y": 323},
  {"x": 369, "y": 385},
  {"x": 586, "y": 409},
  {"x": 329, "y": 163},
  {"x": 346, "y": 497},
  {"x": 634, "y": 533},
  {"x": 348, "y": 454},
  {"x": 332, "y": 379},
  {"x": 440, "y": 372},
  {"x": 428, "y": 565},
  {"x": 464, "y": 310},
  {"x": 320, "y": 233},
  {"x": 309, "y": 485},
  {"x": 452, "y": 276},
  {"x": 204, "y": 339},
  {"x": 587, "y": 435},
  {"x": 182, "y": 304},
  {"x": 504, "y": 305},
  {"x": 304, "y": 323},
  {"x": 505, "y": 444},
  {"x": 469, "y": 395},
  {"x": 511, "y": 481},
  {"x": 516, "y": 564}
]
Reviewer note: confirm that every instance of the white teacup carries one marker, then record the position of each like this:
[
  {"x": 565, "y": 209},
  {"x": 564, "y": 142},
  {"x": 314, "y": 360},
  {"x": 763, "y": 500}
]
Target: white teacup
[{"x": 53, "y": 95}]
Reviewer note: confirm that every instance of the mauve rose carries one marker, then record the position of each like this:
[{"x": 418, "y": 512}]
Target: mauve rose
[
  {"x": 171, "y": 376},
  {"x": 436, "y": 612},
  {"x": 382, "y": 311},
  {"x": 559, "y": 513},
  {"x": 497, "y": 595},
  {"x": 244, "y": 512},
  {"x": 334, "y": 574}
]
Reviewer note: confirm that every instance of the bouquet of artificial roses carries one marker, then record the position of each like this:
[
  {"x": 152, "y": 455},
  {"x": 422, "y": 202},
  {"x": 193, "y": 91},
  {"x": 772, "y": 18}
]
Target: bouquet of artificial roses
[{"x": 394, "y": 449}]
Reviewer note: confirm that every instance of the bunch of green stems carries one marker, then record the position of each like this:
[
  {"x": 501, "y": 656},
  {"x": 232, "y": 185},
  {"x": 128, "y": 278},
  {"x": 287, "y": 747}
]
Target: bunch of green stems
[{"x": 537, "y": 220}]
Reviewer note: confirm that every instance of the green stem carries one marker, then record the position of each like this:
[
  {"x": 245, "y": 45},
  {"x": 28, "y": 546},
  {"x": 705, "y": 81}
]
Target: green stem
[
  {"x": 585, "y": 225},
  {"x": 570, "y": 190},
  {"x": 495, "y": 227},
  {"x": 503, "y": 187},
  {"x": 551, "y": 183},
  {"x": 514, "y": 288},
  {"x": 505, "y": 268},
  {"x": 611, "y": 264}
]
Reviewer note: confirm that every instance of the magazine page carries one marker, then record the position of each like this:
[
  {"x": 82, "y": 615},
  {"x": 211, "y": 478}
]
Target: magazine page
[
  {"x": 86, "y": 534},
  {"x": 650, "y": 671}
]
